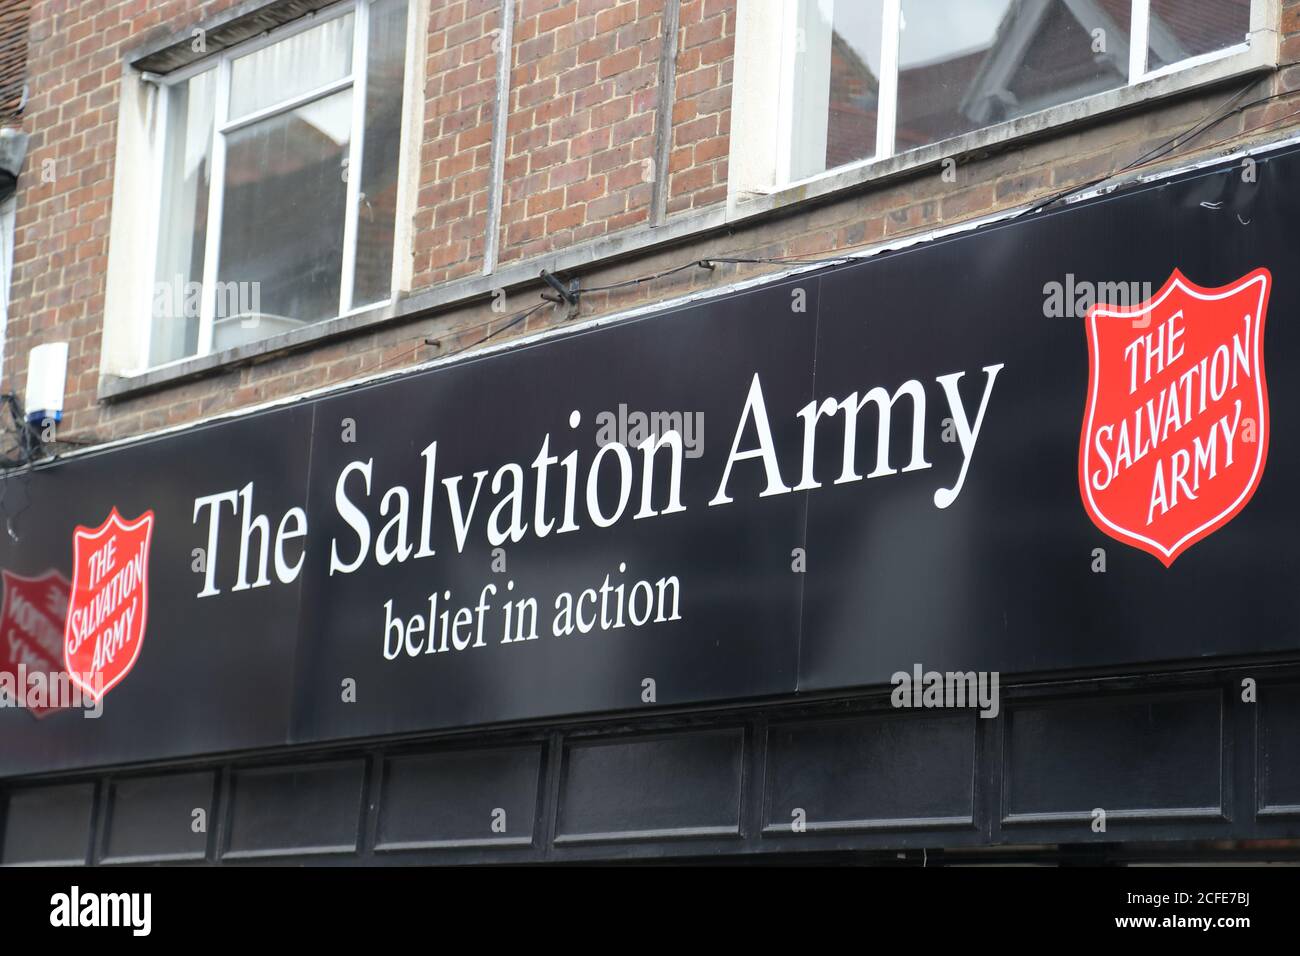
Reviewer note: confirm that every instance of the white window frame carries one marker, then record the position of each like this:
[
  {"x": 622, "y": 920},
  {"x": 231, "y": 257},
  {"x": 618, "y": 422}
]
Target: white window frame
[
  {"x": 221, "y": 63},
  {"x": 763, "y": 140}
]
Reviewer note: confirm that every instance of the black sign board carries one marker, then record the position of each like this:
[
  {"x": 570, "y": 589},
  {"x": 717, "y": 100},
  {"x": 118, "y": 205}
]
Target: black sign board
[{"x": 942, "y": 456}]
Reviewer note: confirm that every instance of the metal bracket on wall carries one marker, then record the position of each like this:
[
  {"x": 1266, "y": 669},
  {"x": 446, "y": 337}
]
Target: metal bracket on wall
[{"x": 566, "y": 292}]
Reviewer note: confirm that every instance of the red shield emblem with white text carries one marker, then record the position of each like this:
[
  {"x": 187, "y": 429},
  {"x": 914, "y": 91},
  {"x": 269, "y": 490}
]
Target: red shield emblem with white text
[
  {"x": 1175, "y": 432},
  {"x": 31, "y": 636},
  {"x": 110, "y": 601}
]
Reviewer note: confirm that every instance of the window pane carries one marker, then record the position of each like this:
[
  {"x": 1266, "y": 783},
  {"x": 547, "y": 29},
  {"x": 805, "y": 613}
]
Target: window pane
[
  {"x": 1184, "y": 28},
  {"x": 837, "y": 82},
  {"x": 182, "y": 228},
  {"x": 295, "y": 65},
  {"x": 966, "y": 64},
  {"x": 377, "y": 198},
  {"x": 854, "y": 82},
  {"x": 282, "y": 222}
]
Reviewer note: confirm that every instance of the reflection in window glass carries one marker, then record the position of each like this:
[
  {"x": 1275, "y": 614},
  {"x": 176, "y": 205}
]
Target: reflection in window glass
[
  {"x": 182, "y": 230},
  {"x": 291, "y": 67},
  {"x": 837, "y": 80},
  {"x": 377, "y": 199},
  {"x": 854, "y": 85},
  {"x": 854, "y": 82},
  {"x": 966, "y": 64},
  {"x": 1185, "y": 28},
  {"x": 282, "y": 222}
]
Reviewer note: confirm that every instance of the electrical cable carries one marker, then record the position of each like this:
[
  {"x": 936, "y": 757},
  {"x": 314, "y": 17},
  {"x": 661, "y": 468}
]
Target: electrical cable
[
  {"x": 17, "y": 461},
  {"x": 509, "y": 325},
  {"x": 425, "y": 340},
  {"x": 1157, "y": 153},
  {"x": 650, "y": 278}
]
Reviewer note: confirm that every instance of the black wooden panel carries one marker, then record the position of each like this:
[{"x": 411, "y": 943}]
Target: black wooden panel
[
  {"x": 454, "y": 798},
  {"x": 1278, "y": 712},
  {"x": 866, "y": 773},
  {"x": 152, "y": 818},
  {"x": 872, "y": 781},
  {"x": 306, "y": 809},
  {"x": 647, "y": 788},
  {"x": 48, "y": 825},
  {"x": 1140, "y": 757}
]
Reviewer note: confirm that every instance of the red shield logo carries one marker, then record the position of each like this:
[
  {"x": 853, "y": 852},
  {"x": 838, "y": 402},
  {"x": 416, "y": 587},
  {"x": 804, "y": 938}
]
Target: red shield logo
[
  {"x": 1175, "y": 432},
  {"x": 31, "y": 633},
  {"x": 110, "y": 602}
]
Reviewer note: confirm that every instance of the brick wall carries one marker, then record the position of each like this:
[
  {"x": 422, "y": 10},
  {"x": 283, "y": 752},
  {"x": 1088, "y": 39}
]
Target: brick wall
[
  {"x": 451, "y": 219},
  {"x": 701, "y": 136},
  {"x": 578, "y": 164},
  {"x": 580, "y": 142}
]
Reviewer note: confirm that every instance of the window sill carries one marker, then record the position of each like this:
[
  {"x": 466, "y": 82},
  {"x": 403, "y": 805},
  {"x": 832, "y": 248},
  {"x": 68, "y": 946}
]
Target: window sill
[
  {"x": 126, "y": 384},
  {"x": 1257, "y": 58},
  {"x": 520, "y": 277}
]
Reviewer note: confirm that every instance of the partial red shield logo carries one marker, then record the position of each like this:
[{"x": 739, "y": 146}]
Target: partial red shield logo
[
  {"x": 110, "y": 602},
  {"x": 1175, "y": 432},
  {"x": 31, "y": 636}
]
